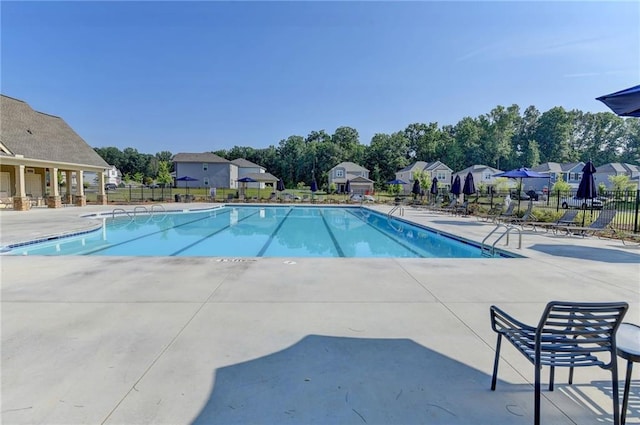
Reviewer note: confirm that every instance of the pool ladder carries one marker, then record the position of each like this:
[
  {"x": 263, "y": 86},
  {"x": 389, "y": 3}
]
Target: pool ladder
[
  {"x": 138, "y": 209},
  {"x": 400, "y": 210},
  {"x": 489, "y": 251}
]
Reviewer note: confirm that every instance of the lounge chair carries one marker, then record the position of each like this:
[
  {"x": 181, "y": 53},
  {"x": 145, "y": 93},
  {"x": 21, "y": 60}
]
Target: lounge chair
[
  {"x": 490, "y": 215},
  {"x": 601, "y": 224},
  {"x": 567, "y": 219},
  {"x": 527, "y": 216},
  {"x": 506, "y": 214},
  {"x": 446, "y": 208},
  {"x": 462, "y": 209},
  {"x": 567, "y": 335}
]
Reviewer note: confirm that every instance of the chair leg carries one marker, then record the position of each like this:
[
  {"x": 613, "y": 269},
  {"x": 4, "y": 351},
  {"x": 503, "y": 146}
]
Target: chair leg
[
  {"x": 552, "y": 372},
  {"x": 495, "y": 363},
  {"x": 625, "y": 396},
  {"x": 571, "y": 375},
  {"x": 536, "y": 384},
  {"x": 616, "y": 393}
]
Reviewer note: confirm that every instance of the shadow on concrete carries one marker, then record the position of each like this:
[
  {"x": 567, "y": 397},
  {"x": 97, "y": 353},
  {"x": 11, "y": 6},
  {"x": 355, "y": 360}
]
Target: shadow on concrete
[
  {"x": 329, "y": 380},
  {"x": 459, "y": 223},
  {"x": 588, "y": 253}
]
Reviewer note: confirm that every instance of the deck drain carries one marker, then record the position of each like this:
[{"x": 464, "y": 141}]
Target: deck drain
[{"x": 289, "y": 262}]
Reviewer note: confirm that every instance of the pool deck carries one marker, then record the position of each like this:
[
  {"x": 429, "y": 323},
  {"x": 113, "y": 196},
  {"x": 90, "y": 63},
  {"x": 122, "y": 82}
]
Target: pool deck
[{"x": 157, "y": 340}]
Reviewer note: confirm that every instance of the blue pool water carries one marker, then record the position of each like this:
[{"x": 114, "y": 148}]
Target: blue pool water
[{"x": 271, "y": 231}]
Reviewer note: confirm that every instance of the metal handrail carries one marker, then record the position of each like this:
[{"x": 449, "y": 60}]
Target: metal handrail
[
  {"x": 139, "y": 207},
  {"x": 160, "y": 206},
  {"x": 113, "y": 213},
  {"x": 508, "y": 228}
]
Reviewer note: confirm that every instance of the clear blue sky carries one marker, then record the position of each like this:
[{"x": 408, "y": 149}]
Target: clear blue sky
[{"x": 203, "y": 76}]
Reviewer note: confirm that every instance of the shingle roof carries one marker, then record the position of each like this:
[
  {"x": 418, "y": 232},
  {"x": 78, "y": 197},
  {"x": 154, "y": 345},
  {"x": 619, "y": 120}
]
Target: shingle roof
[
  {"x": 245, "y": 163},
  {"x": 207, "y": 157},
  {"x": 350, "y": 166},
  {"x": 37, "y": 135}
]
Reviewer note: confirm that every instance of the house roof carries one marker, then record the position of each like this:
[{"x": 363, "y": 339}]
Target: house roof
[
  {"x": 40, "y": 136},
  {"x": 479, "y": 168},
  {"x": 350, "y": 166},
  {"x": 416, "y": 166},
  {"x": 618, "y": 167},
  {"x": 207, "y": 157},
  {"x": 555, "y": 167},
  {"x": 262, "y": 177},
  {"x": 360, "y": 179},
  {"x": 244, "y": 163}
]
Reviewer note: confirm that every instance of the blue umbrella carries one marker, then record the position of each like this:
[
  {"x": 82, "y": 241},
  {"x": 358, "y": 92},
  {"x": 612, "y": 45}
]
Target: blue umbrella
[
  {"x": 280, "y": 186},
  {"x": 314, "y": 185},
  {"x": 347, "y": 187},
  {"x": 434, "y": 186},
  {"x": 396, "y": 181},
  {"x": 625, "y": 103},
  {"x": 522, "y": 173},
  {"x": 469, "y": 186},
  {"x": 247, "y": 180},
  {"x": 186, "y": 179},
  {"x": 455, "y": 187}
]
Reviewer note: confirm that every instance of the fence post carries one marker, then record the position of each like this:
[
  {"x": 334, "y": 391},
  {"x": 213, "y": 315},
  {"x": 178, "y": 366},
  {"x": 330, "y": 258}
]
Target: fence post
[{"x": 635, "y": 220}]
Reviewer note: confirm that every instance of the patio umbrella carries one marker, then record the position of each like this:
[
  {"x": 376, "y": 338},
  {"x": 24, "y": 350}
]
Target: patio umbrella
[
  {"x": 434, "y": 186},
  {"x": 469, "y": 186},
  {"x": 314, "y": 185},
  {"x": 587, "y": 187},
  {"x": 416, "y": 188},
  {"x": 347, "y": 187},
  {"x": 522, "y": 173},
  {"x": 244, "y": 182},
  {"x": 396, "y": 182},
  {"x": 455, "y": 187},
  {"x": 186, "y": 179},
  {"x": 280, "y": 186},
  {"x": 625, "y": 103}
]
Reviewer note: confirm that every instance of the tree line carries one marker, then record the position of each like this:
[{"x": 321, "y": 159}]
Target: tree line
[{"x": 504, "y": 138}]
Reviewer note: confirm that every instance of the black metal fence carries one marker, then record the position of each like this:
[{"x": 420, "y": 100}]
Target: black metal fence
[{"x": 626, "y": 203}]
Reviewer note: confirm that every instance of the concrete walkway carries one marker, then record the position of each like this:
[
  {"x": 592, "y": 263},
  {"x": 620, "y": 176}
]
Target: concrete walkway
[{"x": 124, "y": 340}]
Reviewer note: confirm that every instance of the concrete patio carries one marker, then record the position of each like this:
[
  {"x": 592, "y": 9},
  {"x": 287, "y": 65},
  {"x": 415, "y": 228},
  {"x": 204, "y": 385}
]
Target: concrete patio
[{"x": 156, "y": 340}]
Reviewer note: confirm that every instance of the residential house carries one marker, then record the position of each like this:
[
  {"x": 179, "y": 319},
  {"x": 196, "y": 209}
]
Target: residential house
[
  {"x": 603, "y": 172},
  {"x": 34, "y": 148},
  {"x": 435, "y": 169},
  {"x": 253, "y": 171},
  {"x": 569, "y": 172},
  {"x": 482, "y": 175},
  {"x": 208, "y": 170},
  {"x": 112, "y": 175},
  {"x": 357, "y": 176}
]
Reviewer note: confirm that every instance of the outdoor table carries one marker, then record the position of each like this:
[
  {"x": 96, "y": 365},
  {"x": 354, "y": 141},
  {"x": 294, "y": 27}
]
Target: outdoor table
[{"x": 628, "y": 345}]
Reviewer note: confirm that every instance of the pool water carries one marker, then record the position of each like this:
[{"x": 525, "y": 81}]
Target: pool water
[{"x": 252, "y": 231}]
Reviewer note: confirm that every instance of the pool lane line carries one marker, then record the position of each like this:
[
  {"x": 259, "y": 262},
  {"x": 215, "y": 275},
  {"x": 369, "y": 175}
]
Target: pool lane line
[
  {"x": 180, "y": 251},
  {"x": 145, "y": 236},
  {"x": 399, "y": 242},
  {"x": 333, "y": 237},
  {"x": 273, "y": 234}
]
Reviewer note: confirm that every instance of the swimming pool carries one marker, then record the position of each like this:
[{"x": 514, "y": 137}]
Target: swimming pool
[{"x": 255, "y": 231}]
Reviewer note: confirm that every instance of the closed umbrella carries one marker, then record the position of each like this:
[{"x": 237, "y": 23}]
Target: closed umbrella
[
  {"x": 469, "y": 186},
  {"x": 587, "y": 187},
  {"x": 434, "y": 186},
  {"x": 280, "y": 186},
  {"x": 416, "y": 188},
  {"x": 314, "y": 185},
  {"x": 455, "y": 187},
  {"x": 347, "y": 187}
]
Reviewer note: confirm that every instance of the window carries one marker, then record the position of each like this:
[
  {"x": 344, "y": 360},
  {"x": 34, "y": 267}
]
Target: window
[
  {"x": 205, "y": 167},
  {"x": 339, "y": 173},
  {"x": 441, "y": 175},
  {"x": 205, "y": 180},
  {"x": 487, "y": 176}
]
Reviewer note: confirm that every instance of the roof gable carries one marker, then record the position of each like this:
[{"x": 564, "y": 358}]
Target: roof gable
[
  {"x": 244, "y": 163},
  {"x": 350, "y": 166},
  {"x": 207, "y": 157},
  {"x": 37, "y": 135}
]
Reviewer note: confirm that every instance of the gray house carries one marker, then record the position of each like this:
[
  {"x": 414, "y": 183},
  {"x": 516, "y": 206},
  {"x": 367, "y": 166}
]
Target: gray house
[
  {"x": 34, "y": 149},
  {"x": 435, "y": 169},
  {"x": 569, "y": 172},
  {"x": 482, "y": 174},
  {"x": 604, "y": 171},
  {"x": 208, "y": 170},
  {"x": 247, "y": 168},
  {"x": 357, "y": 176}
]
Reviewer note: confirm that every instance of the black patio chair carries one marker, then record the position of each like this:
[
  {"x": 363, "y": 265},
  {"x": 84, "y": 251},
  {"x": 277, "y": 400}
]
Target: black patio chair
[{"x": 569, "y": 335}]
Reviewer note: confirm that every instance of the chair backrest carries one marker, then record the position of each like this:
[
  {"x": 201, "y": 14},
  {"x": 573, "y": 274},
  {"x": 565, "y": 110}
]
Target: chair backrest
[
  {"x": 604, "y": 219},
  {"x": 569, "y": 216},
  {"x": 509, "y": 210},
  {"x": 568, "y": 328}
]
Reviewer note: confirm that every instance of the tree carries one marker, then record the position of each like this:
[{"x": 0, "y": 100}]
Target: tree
[{"x": 164, "y": 175}]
